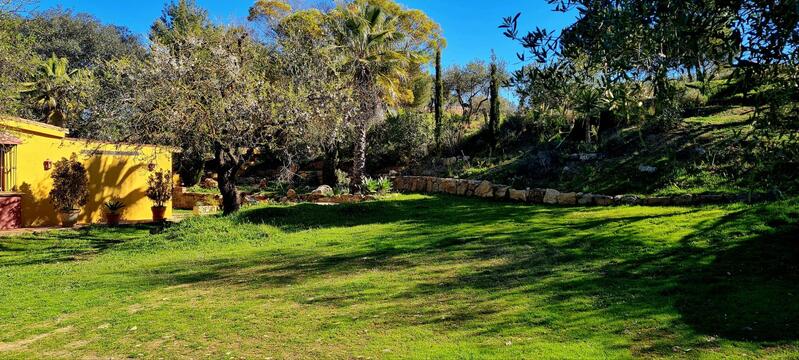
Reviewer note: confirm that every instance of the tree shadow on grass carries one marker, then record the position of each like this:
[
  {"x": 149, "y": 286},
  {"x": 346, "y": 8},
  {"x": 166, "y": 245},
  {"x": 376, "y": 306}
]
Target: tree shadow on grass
[
  {"x": 64, "y": 246},
  {"x": 741, "y": 286},
  {"x": 594, "y": 275},
  {"x": 750, "y": 290}
]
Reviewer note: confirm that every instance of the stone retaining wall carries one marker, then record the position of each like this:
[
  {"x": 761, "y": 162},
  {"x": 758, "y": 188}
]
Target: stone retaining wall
[
  {"x": 184, "y": 200},
  {"x": 485, "y": 189}
]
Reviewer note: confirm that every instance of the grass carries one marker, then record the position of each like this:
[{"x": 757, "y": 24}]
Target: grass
[{"x": 412, "y": 276}]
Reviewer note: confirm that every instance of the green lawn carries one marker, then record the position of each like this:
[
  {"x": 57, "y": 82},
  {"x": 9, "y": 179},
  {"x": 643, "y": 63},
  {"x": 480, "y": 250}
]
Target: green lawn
[{"x": 412, "y": 276}]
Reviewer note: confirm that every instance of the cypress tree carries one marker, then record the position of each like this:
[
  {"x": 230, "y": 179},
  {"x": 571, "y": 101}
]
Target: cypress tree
[
  {"x": 493, "y": 115},
  {"x": 439, "y": 95}
]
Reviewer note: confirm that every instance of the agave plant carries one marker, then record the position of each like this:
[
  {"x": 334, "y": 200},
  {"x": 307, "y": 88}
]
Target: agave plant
[
  {"x": 114, "y": 206},
  {"x": 371, "y": 185},
  {"x": 384, "y": 185}
]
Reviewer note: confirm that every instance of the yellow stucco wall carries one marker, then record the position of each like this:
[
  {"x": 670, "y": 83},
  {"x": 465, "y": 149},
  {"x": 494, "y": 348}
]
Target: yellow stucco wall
[{"x": 114, "y": 170}]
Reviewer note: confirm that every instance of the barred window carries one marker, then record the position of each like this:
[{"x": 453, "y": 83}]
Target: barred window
[{"x": 8, "y": 168}]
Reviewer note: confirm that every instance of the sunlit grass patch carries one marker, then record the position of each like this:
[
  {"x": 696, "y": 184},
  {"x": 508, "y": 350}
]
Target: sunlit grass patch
[{"x": 412, "y": 276}]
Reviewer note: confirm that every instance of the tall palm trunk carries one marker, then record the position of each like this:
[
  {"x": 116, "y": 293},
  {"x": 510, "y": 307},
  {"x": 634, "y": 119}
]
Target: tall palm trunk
[
  {"x": 359, "y": 156},
  {"x": 368, "y": 112}
]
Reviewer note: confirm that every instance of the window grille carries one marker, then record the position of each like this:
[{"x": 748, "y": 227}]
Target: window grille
[{"x": 8, "y": 168}]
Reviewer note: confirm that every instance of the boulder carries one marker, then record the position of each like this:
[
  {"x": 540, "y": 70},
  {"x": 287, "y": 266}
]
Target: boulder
[
  {"x": 418, "y": 184},
  {"x": 685, "y": 199},
  {"x": 627, "y": 199},
  {"x": 501, "y": 191},
  {"x": 656, "y": 201},
  {"x": 398, "y": 183},
  {"x": 449, "y": 186},
  {"x": 209, "y": 183},
  {"x": 461, "y": 187},
  {"x": 291, "y": 194},
  {"x": 536, "y": 196},
  {"x": 647, "y": 169},
  {"x": 585, "y": 199},
  {"x": 518, "y": 195},
  {"x": 472, "y": 185},
  {"x": 248, "y": 199},
  {"x": 567, "y": 198},
  {"x": 602, "y": 200},
  {"x": 551, "y": 196},
  {"x": 484, "y": 190},
  {"x": 323, "y": 190},
  {"x": 710, "y": 199}
]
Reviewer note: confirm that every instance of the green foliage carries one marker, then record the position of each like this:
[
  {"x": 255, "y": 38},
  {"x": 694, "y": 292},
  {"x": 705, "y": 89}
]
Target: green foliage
[
  {"x": 70, "y": 184},
  {"x": 202, "y": 190},
  {"x": 159, "y": 187},
  {"x": 343, "y": 182},
  {"x": 403, "y": 138},
  {"x": 384, "y": 185},
  {"x": 16, "y": 55},
  {"x": 179, "y": 20},
  {"x": 371, "y": 185},
  {"x": 80, "y": 38},
  {"x": 56, "y": 92},
  {"x": 379, "y": 186}
]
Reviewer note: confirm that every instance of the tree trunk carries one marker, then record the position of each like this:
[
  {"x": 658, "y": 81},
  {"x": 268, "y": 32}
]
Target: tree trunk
[
  {"x": 359, "y": 157},
  {"x": 227, "y": 186},
  {"x": 227, "y": 171},
  {"x": 587, "y": 125},
  {"x": 329, "y": 167},
  {"x": 700, "y": 71}
]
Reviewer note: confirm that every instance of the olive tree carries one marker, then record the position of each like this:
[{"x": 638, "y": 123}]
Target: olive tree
[
  {"x": 219, "y": 95},
  {"x": 469, "y": 85}
]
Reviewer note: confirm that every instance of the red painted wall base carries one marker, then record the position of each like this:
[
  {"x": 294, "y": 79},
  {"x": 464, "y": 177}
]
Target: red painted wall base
[{"x": 10, "y": 212}]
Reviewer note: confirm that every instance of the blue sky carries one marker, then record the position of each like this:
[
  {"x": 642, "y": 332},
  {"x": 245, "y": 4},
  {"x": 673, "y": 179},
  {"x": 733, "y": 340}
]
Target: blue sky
[{"x": 470, "y": 26}]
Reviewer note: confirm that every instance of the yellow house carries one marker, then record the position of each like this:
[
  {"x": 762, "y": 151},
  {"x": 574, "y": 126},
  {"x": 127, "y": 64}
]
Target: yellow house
[{"x": 28, "y": 149}]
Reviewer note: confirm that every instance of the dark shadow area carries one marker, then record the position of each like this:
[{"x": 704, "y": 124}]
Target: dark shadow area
[
  {"x": 749, "y": 291},
  {"x": 65, "y": 246}
]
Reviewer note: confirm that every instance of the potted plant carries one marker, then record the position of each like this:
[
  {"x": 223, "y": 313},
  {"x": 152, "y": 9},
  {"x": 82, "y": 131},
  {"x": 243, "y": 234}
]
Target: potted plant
[
  {"x": 113, "y": 211},
  {"x": 70, "y": 189},
  {"x": 159, "y": 190}
]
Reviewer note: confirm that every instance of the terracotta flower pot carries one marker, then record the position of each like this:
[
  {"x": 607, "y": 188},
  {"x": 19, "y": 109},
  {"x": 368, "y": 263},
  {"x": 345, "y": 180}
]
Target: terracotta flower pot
[
  {"x": 113, "y": 219},
  {"x": 68, "y": 218},
  {"x": 158, "y": 213}
]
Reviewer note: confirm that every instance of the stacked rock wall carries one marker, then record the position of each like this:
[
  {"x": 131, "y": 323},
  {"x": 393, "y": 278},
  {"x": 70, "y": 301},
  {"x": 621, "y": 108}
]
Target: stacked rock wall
[{"x": 487, "y": 190}]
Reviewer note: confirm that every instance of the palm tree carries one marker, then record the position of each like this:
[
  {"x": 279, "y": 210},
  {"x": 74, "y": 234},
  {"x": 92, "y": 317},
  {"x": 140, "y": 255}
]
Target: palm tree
[
  {"x": 370, "y": 45},
  {"x": 53, "y": 89}
]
